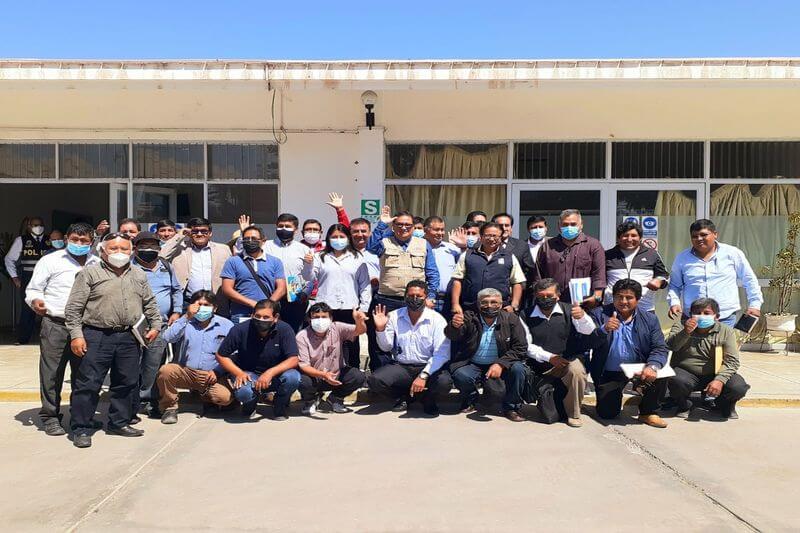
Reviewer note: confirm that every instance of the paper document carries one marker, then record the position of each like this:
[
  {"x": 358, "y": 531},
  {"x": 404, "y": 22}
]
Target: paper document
[
  {"x": 579, "y": 289},
  {"x": 139, "y": 330},
  {"x": 632, "y": 368}
]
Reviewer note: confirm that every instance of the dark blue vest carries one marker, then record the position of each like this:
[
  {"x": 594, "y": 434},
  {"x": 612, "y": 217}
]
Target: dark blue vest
[
  {"x": 32, "y": 251},
  {"x": 481, "y": 273}
]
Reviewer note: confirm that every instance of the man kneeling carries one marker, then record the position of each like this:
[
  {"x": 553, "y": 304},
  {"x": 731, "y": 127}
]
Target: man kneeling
[
  {"x": 414, "y": 335},
  {"x": 200, "y": 332},
  {"x": 487, "y": 346},
  {"x": 705, "y": 357},
  {"x": 322, "y": 364},
  {"x": 260, "y": 356}
]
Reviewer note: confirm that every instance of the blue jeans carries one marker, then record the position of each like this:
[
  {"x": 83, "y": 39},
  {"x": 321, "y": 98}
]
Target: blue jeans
[
  {"x": 468, "y": 377},
  {"x": 282, "y": 385},
  {"x": 151, "y": 360}
]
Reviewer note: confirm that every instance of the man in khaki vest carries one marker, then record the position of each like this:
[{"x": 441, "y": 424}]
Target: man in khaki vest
[{"x": 403, "y": 258}]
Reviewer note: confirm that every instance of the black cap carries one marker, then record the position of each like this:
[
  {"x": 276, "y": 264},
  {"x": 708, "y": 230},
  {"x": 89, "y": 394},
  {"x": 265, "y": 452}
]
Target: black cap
[{"x": 145, "y": 236}]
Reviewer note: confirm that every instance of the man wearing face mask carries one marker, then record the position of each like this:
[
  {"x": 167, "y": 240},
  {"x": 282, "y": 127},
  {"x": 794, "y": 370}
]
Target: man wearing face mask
[
  {"x": 573, "y": 254},
  {"x": 56, "y": 241},
  {"x": 323, "y": 365},
  {"x": 705, "y": 357},
  {"x": 488, "y": 345},
  {"x": 169, "y": 298},
  {"x": 537, "y": 235},
  {"x": 414, "y": 336},
  {"x": 47, "y": 295},
  {"x": 200, "y": 332},
  {"x": 554, "y": 345},
  {"x": 25, "y": 252},
  {"x": 251, "y": 276},
  {"x": 106, "y": 301},
  {"x": 260, "y": 356},
  {"x": 515, "y": 246}
]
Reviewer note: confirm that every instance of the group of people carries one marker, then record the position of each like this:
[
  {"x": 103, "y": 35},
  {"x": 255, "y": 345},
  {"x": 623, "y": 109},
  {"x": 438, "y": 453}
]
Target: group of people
[{"x": 263, "y": 317}]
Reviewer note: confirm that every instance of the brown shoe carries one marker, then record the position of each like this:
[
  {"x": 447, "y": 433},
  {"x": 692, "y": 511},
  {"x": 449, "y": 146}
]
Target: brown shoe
[
  {"x": 514, "y": 416},
  {"x": 653, "y": 421},
  {"x": 574, "y": 422}
]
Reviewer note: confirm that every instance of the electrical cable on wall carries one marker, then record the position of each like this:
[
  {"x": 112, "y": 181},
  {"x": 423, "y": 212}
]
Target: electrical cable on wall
[{"x": 279, "y": 135}]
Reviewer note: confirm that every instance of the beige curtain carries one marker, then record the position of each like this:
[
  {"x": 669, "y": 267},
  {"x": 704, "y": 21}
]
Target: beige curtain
[
  {"x": 451, "y": 161},
  {"x": 451, "y": 202},
  {"x": 676, "y": 212}
]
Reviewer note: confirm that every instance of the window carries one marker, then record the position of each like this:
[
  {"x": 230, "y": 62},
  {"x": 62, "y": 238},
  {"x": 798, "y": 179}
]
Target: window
[
  {"x": 27, "y": 161},
  {"x": 93, "y": 161},
  {"x": 446, "y": 161},
  {"x": 227, "y": 201},
  {"x": 155, "y": 202},
  {"x": 168, "y": 161},
  {"x": 637, "y": 160},
  {"x": 550, "y": 203},
  {"x": 574, "y": 160},
  {"x": 755, "y": 160},
  {"x": 451, "y": 202},
  {"x": 242, "y": 161}
]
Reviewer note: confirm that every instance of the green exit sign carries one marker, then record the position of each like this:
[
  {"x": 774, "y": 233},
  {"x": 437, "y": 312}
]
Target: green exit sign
[{"x": 370, "y": 208}]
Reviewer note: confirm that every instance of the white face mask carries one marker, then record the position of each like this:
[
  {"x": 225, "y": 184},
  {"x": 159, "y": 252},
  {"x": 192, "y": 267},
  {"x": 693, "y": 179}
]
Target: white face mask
[
  {"x": 118, "y": 259},
  {"x": 312, "y": 237},
  {"x": 37, "y": 230},
  {"x": 320, "y": 325}
]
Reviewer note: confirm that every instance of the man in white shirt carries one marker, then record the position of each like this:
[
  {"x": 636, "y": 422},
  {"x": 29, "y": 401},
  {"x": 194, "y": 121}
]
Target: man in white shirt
[
  {"x": 47, "y": 294},
  {"x": 298, "y": 266},
  {"x": 414, "y": 335}
]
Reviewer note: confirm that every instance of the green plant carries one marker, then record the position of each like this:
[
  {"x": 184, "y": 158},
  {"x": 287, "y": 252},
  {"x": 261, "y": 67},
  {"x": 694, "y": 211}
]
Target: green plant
[{"x": 786, "y": 266}]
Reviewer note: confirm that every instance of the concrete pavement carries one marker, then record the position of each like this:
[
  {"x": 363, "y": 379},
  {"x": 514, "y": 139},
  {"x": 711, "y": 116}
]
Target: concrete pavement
[{"x": 378, "y": 471}]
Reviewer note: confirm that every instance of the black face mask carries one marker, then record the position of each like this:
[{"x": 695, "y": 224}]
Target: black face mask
[
  {"x": 251, "y": 247},
  {"x": 546, "y": 303},
  {"x": 414, "y": 303},
  {"x": 490, "y": 312},
  {"x": 147, "y": 256},
  {"x": 284, "y": 234},
  {"x": 262, "y": 326}
]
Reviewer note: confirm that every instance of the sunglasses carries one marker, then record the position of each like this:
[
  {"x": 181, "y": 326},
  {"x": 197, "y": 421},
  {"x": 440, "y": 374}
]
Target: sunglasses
[
  {"x": 200, "y": 232},
  {"x": 117, "y": 235}
]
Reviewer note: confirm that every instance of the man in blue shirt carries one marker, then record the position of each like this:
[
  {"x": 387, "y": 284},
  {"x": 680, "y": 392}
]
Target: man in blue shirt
[
  {"x": 624, "y": 335},
  {"x": 446, "y": 256},
  {"x": 200, "y": 332},
  {"x": 260, "y": 356},
  {"x": 169, "y": 298},
  {"x": 252, "y": 276},
  {"x": 711, "y": 269}
]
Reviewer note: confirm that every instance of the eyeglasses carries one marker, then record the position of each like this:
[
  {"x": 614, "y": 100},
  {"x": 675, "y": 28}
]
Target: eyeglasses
[
  {"x": 117, "y": 235},
  {"x": 200, "y": 231},
  {"x": 404, "y": 226}
]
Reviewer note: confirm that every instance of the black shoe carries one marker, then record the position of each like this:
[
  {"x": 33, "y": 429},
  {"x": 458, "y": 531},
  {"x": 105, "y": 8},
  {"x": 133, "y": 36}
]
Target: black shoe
[
  {"x": 249, "y": 409},
  {"x": 96, "y": 424},
  {"x": 684, "y": 411},
  {"x": 125, "y": 431},
  {"x": 467, "y": 408},
  {"x": 514, "y": 415},
  {"x": 337, "y": 405},
  {"x": 729, "y": 413},
  {"x": 54, "y": 429},
  {"x": 431, "y": 409},
  {"x": 135, "y": 420},
  {"x": 400, "y": 406},
  {"x": 279, "y": 416},
  {"x": 170, "y": 416},
  {"x": 82, "y": 440}
]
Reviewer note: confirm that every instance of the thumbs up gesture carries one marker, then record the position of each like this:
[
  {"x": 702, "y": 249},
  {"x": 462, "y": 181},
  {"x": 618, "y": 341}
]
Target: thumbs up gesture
[{"x": 613, "y": 323}]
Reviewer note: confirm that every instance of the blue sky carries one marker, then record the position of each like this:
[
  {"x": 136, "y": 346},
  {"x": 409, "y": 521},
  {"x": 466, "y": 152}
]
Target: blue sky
[{"x": 397, "y": 29}]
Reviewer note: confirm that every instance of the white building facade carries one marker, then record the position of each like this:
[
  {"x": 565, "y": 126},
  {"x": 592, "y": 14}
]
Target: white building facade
[{"x": 671, "y": 139}]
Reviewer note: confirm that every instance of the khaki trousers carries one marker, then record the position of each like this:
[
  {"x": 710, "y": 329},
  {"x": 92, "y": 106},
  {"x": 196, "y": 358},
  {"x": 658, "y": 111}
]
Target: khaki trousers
[
  {"x": 172, "y": 377},
  {"x": 573, "y": 376}
]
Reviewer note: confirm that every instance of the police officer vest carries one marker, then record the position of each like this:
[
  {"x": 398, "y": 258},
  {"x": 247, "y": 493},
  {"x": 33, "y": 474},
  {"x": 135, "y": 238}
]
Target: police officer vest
[
  {"x": 399, "y": 266},
  {"x": 32, "y": 251},
  {"x": 481, "y": 273}
]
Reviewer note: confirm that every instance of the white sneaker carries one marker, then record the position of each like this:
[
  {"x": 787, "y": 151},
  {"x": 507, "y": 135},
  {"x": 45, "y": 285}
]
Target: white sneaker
[{"x": 310, "y": 408}]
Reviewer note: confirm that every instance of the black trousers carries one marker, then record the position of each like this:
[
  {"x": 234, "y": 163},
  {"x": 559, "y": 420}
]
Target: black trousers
[
  {"x": 684, "y": 383},
  {"x": 609, "y": 395},
  {"x": 377, "y": 357},
  {"x": 106, "y": 350},
  {"x": 394, "y": 380},
  {"x": 352, "y": 379},
  {"x": 26, "y": 323},
  {"x": 352, "y": 350},
  {"x": 293, "y": 313},
  {"x": 55, "y": 355}
]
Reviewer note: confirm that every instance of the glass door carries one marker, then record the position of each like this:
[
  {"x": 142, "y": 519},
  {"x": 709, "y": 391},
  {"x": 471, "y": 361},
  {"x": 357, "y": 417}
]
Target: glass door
[{"x": 548, "y": 200}]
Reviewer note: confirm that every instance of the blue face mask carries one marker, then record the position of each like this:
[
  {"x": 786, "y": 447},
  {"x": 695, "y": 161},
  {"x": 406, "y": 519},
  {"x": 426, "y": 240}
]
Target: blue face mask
[
  {"x": 205, "y": 312},
  {"x": 472, "y": 240},
  {"x": 570, "y": 232},
  {"x": 338, "y": 243},
  {"x": 418, "y": 233},
  {"x": 537, "y": 234},
  {"x": 704, "y": 321},
  {"x": 78, "y": 250},
  {"x": 57, "y": 243}
]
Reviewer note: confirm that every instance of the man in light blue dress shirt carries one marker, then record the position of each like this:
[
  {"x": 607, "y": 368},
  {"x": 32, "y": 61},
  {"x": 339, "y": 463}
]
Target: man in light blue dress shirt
[
  {"x": 446, "y": 255},
  {"x": 711, "y": 269}
]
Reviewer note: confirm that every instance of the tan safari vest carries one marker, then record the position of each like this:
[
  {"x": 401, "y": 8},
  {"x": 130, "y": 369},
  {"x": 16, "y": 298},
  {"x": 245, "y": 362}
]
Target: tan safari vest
[{"x": 399, "y": 266}]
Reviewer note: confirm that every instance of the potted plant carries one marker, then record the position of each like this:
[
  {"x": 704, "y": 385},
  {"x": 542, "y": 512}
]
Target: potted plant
[{"x": 784, "y": 273}]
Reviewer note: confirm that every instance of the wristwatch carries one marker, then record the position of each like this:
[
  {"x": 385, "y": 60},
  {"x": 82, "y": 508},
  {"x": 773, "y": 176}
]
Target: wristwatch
[
  {"x": 654, "y": 368},
  {"x": 424, "y": 376}
]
